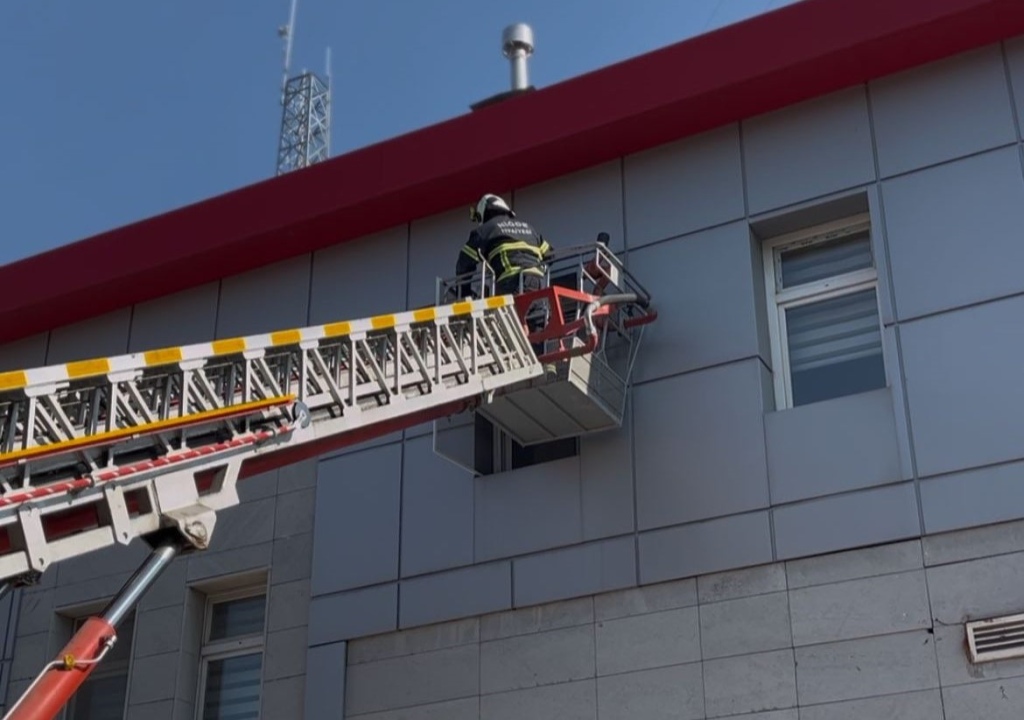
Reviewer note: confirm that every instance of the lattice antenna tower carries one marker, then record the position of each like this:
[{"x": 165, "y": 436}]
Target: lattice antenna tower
[{"x": 305, "y": 136}]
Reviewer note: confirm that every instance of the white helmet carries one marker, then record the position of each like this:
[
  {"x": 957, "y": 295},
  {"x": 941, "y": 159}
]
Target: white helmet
[{"x": 488, "y": 201}]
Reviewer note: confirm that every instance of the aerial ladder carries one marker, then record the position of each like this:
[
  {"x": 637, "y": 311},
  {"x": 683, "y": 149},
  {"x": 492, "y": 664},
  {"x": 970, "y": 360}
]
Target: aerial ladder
[{"x": 96, "y": 453}]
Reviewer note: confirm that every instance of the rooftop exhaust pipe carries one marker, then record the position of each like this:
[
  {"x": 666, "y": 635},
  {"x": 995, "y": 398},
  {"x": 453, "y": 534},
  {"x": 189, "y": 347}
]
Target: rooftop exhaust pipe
[{"x": 517, "y": 46}]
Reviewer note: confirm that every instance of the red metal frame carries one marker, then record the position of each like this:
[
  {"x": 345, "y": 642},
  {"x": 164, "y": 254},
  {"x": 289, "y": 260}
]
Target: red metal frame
[
  {"x": 85, "y": 517},
  {"x": 558, "y": 327}
]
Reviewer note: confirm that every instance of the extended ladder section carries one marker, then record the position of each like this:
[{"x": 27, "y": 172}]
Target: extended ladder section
[
  {"x": 103, "y": 451},
  {"x": 99, "y": 452}
]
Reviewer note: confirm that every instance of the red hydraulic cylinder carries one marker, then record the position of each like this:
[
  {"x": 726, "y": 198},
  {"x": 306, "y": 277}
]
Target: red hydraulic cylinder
[{"x": 59, "y": 682}]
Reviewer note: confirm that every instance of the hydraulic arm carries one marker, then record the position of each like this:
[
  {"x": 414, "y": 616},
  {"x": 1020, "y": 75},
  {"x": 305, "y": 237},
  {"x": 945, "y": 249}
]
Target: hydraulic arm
[{"x": 100, "y": 452}]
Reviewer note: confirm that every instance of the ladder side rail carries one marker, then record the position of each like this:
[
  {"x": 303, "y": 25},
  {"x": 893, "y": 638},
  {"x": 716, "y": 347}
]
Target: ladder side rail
[{"x": 467, "y": 352}]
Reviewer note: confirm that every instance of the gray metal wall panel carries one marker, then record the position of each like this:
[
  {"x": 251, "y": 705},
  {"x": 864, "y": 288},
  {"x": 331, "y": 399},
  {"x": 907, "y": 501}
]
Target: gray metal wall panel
[
  {"x": 573, "y": 209},
  {"x": 529, "y": 509},
  {"x": 964, "y": 386},
  {"x": 366, "y": 611},
  {"x": 456, "y": 594},
  {"x": 355, "y": 533},
  {"x": 437, "y": 511},
  {"x": 705, "y": 547},
  {"x": 99, "y": 337},
  {"x": 953, "y": 232},
  {"x": 180, "y": 319},
  {"x": 972, "y": 498},
  {"x": 606, "y": 481},
  {"x": 941, "y": 111},
  {"x": 325, "y": 682},
  {"x": 360, "y": 279},
  {"x": 574, "y": 572},
  {"x": 808, "y": 150},
  {"x": 275, "y": 297},
  {"x": 891, "y": 350},
  {"x": 683, "y": 186},
  {"x": 1015, "y": 61},
  {"x": 25, "y": 353},
  {"x": 704, "y": 290},
  {"x": 833, "y": 446},
  {"x": 846, "y": 521},
  {"x": 700, "y": 448},
  {"x": 434, "y": 246}
]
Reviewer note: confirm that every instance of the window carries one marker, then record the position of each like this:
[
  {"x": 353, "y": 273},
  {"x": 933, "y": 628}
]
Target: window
[
  {"x": 823, "y": 313},
  {"x": 497, "y": 452},
  {"x": 232, "y": 656},
  {"x": 103, "y": 694}
]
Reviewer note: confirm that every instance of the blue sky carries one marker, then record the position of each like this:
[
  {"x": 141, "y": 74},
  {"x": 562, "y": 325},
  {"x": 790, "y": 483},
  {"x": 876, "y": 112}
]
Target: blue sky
[{"x": 118, "y": 110}]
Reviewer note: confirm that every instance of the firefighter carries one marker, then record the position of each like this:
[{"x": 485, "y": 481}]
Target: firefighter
[
  {"x": 514, "y": 251},
  {"x": 511, "y": 247}
]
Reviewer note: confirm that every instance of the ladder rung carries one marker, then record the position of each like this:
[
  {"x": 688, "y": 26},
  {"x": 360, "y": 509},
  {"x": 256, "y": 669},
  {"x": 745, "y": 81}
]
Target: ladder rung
[{"x": 113, "y": 448}]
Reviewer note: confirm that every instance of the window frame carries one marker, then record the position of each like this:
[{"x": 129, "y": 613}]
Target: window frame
[
  {"x": 213, "y": 650},
  {"x": 782, "y": 299}
]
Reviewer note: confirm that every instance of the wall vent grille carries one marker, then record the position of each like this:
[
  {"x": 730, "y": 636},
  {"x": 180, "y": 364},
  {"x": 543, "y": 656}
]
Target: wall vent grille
[{"x": 996, "y": 638}]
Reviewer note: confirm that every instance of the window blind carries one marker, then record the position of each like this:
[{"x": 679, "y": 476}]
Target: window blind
[
  {"x": 233, "y": 688},
  {"x": 819, "y": 262}
]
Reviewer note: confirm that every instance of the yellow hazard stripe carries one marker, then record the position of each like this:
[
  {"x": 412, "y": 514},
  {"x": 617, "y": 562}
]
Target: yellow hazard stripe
[
  {"x": 231, "y": 345},
  {"x": 337, "y": 329},
  {"x": 13, "y": 380},
  {"x": 164, "y": 356},
  {"x": 171, "y": 423},
  {"x": 285, "y": 337},
  {"x": 86, "y": 368}
]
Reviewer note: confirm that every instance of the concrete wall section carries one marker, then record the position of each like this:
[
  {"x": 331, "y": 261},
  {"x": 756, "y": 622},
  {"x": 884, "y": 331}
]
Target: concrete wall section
[
  {"x": 683, "y": 187},
  {"x": 180, "y": 319},
  {"x": 685, "y": 469},
  {"x": 809, "y": 150},
  {"x": 271, "y": 298},
  {"x": 865, "y": 633},
  {"x": 572, "y": 210},
  {"x": 952, "y": 233},
  {"x": 941, "y": 111},
  {"x": 360, "y": 279},
  {"x": 706, "y": 302},
  {"x": 1014, "y": 50},
  {"x": 98, "y": 337},
  {"x": 966, "y": 398}
]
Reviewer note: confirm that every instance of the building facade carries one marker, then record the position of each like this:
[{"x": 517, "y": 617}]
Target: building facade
[{"x": 818, "y": 483}]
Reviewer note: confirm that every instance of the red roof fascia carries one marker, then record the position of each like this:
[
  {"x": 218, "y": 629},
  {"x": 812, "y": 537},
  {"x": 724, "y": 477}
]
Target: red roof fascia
[{"x": 798, "y": 52}]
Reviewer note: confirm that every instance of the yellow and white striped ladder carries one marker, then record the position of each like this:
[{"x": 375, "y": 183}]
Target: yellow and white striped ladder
[{"x": 127, "y": 436}]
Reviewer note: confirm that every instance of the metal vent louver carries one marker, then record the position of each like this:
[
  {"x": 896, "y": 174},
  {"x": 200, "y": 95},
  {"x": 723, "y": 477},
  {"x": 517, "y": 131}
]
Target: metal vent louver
[{"x": 996, "y": 638}]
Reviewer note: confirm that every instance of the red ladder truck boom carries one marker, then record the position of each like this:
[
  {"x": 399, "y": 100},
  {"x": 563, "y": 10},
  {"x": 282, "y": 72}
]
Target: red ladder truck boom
[{"x": 151, "y": 445}]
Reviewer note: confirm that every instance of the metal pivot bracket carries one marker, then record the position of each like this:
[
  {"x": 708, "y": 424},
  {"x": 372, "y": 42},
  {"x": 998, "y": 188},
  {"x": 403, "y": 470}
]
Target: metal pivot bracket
[{"x": 193, "y": 515}]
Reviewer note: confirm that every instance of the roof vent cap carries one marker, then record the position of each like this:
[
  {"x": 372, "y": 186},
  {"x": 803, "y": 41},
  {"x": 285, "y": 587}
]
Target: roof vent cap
[{"x": 517, "y": 46}]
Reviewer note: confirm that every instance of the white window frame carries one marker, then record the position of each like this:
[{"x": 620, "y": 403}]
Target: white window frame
[
  {"x": 779, "y": 301},
  {"x": 212, "y": 650}
]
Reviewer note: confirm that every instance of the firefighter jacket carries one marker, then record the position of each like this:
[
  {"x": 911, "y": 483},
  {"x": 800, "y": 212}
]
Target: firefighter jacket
[{"x": 508, "y": 245}]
